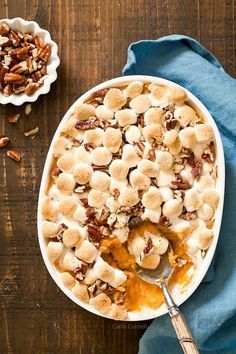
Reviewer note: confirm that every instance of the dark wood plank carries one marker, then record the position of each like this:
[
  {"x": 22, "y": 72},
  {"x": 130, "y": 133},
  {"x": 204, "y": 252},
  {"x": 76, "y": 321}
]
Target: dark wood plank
[{"x": 93, "y": 37}]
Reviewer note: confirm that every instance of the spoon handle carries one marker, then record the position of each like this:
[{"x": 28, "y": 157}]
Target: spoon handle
[{"x": 179, "y": 323}]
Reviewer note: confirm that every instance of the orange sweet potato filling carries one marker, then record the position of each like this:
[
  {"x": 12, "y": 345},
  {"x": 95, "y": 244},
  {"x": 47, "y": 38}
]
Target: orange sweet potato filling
[{"x": 138, "y": 292}]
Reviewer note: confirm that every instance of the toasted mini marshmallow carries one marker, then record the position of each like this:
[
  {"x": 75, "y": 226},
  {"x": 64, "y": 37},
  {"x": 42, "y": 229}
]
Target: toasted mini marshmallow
[
  {"x": 66, "y": 163},
  {"x": 176, "y": 147},
  {"x": 126, "y": 117},
  {"x": 153, "y": 115},
  {"x": 205, "y": 212},
  {"x": 67, "y": 206},
  {"x": 96, "y": 198},
  {"x": 90, "y": 277},
  {"x": 165, "y": 177},
  {"x": 148, "y": 168},
  {"x": 72, "y": 236},
  {"x": 118, "y": 278},
  {"x": 211, "y": 197},
  {"x": 181, "y": 227},
  {"x": 67, "y": 279},
  {"x": 60, "y": 146},
  {"x": 140, "y": 104},
  {"x": 114, "y": 99},
  {"x": 49, "y": 209},
  {"x": 103, "y": 270},
  {"x": 112, "y": 139},
  {"x": 83, "y": 173},
  {"x": 186, "y": 174},
  {"x": 81, "y": 292},
  {"x": 177, "y": 95},
  {"x": 69, "y": 128},
  {"x": 130, "y": 155},
  {"x": 54, "y": 250},
  {"x": 93, "y": 136},
  {"x": 86, "y": 251},
  {"x": 187, "y": 137},
  {"x": 80, "y": 214},
  {"x": 134, "y": 89},
  {"x": 112, "y": 204},
  {"x": 159, "y": 92},
  {"x": 119, "y": 185},
  {"x": 198, "y": 150},
  {"x": 166, "y": 193},
  {"x": 153, "y": 133},
  {"x": 151, "y": 261},
  {"x": 132, "y": 134},
  {"x": 119, "y": 169},
  {"x": 49, "y": 229},
  {"x": 172, "y": 208},
  {"x": 164, "y": 159},
  {"x": 205, "y": 237},
  {"x": 185, "y": 114},
  {"x": 101, "y": 303},
  {"x": 66, "y": 182},
  {"x": 152, "y": 198},
  {"x": 117, "y": 312},
  {"x": 160, "y": 243},
  {"x": 101, "y": 156},
  {"x": 82, "y": 155},
  {"x": 204, "y": 133},
  {"x": 100, "y": 181},
  {"x": 121, "y": 233},
  {"x": 84, "y": 111},
  {"x": 128, "y": 197},
  {"x": 192, "y": 200},
  {"x": 138, "y": 180},
  {"x": 136, "y": 245},
  {"x": 68, "y": 261},
  {"x": 103, "y": 113},
  {"x": 170, "y": 137},
  {"x": 152, "y": 215},
  {"x": 204, "y": 182}
]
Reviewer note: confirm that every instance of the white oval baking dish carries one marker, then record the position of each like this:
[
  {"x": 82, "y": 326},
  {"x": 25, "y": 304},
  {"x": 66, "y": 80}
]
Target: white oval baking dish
[{"x": 198, "y": 276}]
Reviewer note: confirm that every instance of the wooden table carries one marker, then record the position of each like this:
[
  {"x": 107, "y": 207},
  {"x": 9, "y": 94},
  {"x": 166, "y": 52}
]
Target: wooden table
[{"x": 93, "y": 36}]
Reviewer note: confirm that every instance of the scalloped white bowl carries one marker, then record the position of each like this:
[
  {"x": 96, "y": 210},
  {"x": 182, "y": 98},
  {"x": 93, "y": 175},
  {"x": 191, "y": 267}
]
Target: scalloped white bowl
[
  {"x": 26, "y": 27},
  {"x": 179, "y": 296}
]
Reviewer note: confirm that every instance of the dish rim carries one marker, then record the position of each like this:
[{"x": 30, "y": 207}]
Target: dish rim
[
  {"x": 220, "y": 186},
  {"x": 18, "y": 99}
]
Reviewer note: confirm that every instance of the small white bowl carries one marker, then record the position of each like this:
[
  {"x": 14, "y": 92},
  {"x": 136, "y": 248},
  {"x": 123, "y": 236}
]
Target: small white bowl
[
  {"x": 24, "y": 26},
  {"x": 179, "y": 296}
]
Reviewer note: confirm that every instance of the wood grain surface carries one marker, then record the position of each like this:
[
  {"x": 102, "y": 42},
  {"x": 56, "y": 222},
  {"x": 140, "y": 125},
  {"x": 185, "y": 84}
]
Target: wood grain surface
[{"x": 93, "y": 36}]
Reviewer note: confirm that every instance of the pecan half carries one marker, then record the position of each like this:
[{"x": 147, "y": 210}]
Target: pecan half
[
  {"x": 94, "y": 233},
  {"x": 31, "y": 88},
  {"x": 14, "y": 155},
  {"x": 12, "y": 78}
]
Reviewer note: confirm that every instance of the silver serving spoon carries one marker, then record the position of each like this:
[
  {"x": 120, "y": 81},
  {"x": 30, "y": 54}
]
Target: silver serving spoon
[{"x": 160, "y": 276}]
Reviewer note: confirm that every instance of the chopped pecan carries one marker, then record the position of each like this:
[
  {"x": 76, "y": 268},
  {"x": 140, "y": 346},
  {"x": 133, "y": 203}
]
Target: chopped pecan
[
  {"x": 4, "y": 140},
  {"x": 14, "y": 155},
  {"x": 140, "y": 120},
  {"x": 55, "y": 172},
  {"x": 206, "y": 157},
  {"x": 84, "y": 202},
  {"x": 99, "y": 95},
  {"x": 94, "y": 233},
  {"x": 179, "y": 183},
  {"x": 149, "y": 247},
  {"x": 87, "y": 124},
  {"x": 79, "y": 272},
  {"x": 170, "y": 124},
  {"x": 115, "y": 193},
  {"x": 139, "y": 147},
  {"x": 4, "y": 29},
  {"x": 151, "y": 155},
  {"x": 179, "y": 195},
  {"x": 88, "y": 146},
  {"x": 32, "y": 131},
  {"x": 28, "y": 109},
  {"x": 90, "y": 212},
  {"x": 105, "y": 212},
  {"x": 197, "y": 169},
  {"x": 13, "y": 118},
  {"x": 8, "y": 90},
  {"x": 99, "y": 168},
  {"x": 62, "y": 228},
  {"x": 188, "y": 215},
  {"x": 164, "y": 221},
  {"x": 119, "y": 297},
  {"x": 45, "y": 53}
]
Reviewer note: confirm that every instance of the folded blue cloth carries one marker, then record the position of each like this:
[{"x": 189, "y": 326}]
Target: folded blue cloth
[{"x": 211, "y": 310}]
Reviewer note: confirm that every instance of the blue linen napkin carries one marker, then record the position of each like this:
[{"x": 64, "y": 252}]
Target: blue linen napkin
[{"x": 211, "y": 310}]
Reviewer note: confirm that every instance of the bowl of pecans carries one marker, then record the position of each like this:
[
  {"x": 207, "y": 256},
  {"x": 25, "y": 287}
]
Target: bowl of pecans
[{"x": 28, "y": 61}]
